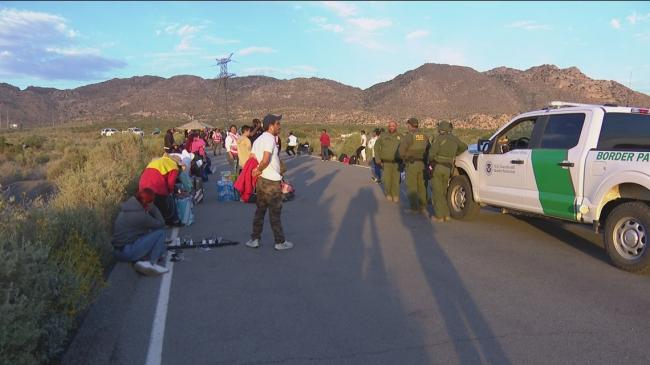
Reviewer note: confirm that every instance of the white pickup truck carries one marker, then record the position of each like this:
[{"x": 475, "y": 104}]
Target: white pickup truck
[{"x": 576, "y": 162}]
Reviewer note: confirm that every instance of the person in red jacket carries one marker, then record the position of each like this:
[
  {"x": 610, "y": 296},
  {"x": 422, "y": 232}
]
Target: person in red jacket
[
  {"x": 160, "y": 176},
  {"x": 325, "y": 145}
]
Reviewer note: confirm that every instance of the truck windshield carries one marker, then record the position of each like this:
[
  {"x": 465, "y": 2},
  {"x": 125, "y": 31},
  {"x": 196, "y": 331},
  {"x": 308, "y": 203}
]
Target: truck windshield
[{"x": 625, "y": 131}]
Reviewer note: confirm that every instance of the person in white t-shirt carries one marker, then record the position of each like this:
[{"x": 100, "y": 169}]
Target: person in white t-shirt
[
  {"x": 268, "y": 188},
  {"x": 291, "y": 145},
  {"x": 364, "y": 143}
]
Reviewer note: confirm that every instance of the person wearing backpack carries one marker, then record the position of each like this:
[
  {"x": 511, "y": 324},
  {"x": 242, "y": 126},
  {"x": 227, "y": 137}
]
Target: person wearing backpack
[{"x": 412, "y": 149}]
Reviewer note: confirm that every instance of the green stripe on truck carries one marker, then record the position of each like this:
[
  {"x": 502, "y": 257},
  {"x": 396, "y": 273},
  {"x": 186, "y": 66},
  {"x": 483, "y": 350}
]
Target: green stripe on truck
[{"x": 556, "y": 193}]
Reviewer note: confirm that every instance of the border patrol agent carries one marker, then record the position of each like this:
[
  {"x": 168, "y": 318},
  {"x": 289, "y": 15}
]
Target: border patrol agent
[
  {"x": 412, "y": 150},
  {"x": 442, "y": 152},
  {"x": 386, "y": 157}
]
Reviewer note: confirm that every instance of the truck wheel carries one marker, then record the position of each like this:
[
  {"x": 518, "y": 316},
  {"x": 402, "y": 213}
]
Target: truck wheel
[
  {"x": 461, "y": 200},
  {"x": 627, "y": 237}
]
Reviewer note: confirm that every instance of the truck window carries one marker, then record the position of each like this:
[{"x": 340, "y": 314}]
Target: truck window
[
  {"x": 625, "y": 131},
  {"x": 562, "y": 131},
  {"x": 518, "y": 136}
]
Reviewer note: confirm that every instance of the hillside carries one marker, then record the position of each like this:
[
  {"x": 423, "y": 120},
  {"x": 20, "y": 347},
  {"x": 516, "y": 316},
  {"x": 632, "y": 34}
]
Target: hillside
[{"x": 431, "y": 92}]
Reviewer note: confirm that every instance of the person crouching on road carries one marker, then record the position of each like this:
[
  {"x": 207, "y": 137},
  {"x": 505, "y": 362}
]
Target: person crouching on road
[
  {"x": 268, "y": 188},
  {"x": 139, "y": 234},
  {"x": 412, "y": 149},
  {"x": 442, "y": 152},
  {"x": 160, "y": 176},
  {"x": 386, "y": 158}
]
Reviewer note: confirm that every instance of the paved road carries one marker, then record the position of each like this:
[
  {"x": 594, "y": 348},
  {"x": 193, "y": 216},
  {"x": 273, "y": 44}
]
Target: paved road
[{"x": 368, "y": 284}]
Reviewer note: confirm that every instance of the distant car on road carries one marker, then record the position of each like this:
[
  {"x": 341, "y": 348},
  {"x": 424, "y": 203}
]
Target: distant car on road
[
  {"x": 109, "y": 131},
  {"x": 134, "y": 130}
]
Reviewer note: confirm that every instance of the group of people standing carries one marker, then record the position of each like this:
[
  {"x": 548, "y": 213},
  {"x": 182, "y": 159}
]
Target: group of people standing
[{"x": 424, "y": 160}]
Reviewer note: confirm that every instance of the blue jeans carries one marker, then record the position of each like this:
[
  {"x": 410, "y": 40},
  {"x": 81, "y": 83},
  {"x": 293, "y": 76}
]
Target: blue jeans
[
  {"x": 324, "y": 153},
  {"x": 375, "y": 170},
  {"x": 151, "y": 245}
]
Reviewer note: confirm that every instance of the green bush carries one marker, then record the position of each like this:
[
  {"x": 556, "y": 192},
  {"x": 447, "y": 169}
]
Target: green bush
[{"x": 56, "y": 255}]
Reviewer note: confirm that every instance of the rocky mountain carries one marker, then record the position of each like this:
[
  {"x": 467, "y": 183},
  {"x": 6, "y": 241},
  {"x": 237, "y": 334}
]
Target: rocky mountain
[{"x": 430, "y": 92}]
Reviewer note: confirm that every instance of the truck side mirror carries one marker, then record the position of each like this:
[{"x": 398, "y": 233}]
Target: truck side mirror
[{"x": 483, "y": 145}]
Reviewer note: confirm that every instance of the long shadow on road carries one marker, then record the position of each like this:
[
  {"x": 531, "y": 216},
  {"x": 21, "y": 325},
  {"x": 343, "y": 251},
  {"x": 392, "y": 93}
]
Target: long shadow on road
[{"x": 465, "y": 326}]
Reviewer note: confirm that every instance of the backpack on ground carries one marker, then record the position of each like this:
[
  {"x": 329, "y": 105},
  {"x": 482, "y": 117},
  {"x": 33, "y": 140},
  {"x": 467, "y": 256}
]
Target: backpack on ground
[
  {"x": 342, "y": 157},
  {"x": 354, "y": 160}
]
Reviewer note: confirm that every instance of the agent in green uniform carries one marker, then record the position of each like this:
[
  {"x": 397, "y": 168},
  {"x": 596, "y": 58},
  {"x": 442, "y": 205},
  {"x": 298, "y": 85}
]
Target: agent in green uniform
[
  {"x": 412, "y": 150},
  {"x": 386, "y": 157},
  {"x": 442, "y": 152}
]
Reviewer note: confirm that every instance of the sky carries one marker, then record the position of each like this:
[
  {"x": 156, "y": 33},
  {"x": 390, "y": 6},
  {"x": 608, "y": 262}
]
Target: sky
[{"x": 70, "y": 44}]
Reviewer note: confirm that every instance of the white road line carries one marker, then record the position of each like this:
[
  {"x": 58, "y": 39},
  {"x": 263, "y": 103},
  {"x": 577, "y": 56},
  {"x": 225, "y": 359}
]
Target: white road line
[{"x": 154, "y": 354}]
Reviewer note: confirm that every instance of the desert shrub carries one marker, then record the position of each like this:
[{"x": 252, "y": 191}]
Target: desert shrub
[
  {"x": 56, "y": 255},
  {"x": 31, "y": 331},
  {"x": 109, "y": 174},
  {"x": 3, "y": 143},
  {"x": 42, "y": 159},
  {"x": 34, "y": 141},
  {"x": 73, "y": 159}
]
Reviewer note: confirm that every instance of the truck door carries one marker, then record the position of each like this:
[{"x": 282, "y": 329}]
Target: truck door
[
  {"x": 503, "y": 169},
  {"x": 556, "y": 163}
]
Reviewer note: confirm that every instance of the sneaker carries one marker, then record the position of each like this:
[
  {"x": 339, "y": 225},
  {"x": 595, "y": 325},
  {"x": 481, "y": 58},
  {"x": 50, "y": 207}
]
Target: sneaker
[
  {"x": 253, "y": 243},
  {"x": 145, "y": 268},
  {"x": 160, "y": 269},
  {"x": 286, "y": 245},
  {"x": 374, "y": 179}
]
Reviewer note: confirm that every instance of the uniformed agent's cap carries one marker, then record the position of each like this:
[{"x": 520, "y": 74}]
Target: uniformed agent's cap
[
  {"x": 444, "y": 126},
  {"x": 413, "y": 122}
]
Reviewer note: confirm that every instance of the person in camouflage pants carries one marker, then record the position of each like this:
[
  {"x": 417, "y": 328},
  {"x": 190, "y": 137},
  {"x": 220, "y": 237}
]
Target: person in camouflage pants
[{"x": 269, "y": 196}]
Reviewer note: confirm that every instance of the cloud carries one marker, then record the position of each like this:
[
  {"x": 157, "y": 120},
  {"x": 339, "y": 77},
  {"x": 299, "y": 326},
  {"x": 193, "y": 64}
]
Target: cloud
[
  {"x": 42, "y": 45},
  {"x": 282, "y": 72},
  {"x": 342, "y": 9},
  {"x": 187, "y": 33},
  {"x": 615, "y": 23},
  {"x": 417, "y": 34},
  {"x": 529, "y": 25},
  {"x": 637, "y": 18},
  {"x": 187, "y": 30},
  {"x": 323, "y": 24},
  {"x": 369, "y": 24},
  {"x": 358, "y": 30},
  {"x": 252, "y": 50},
  {"x": 220, "y": 41}
]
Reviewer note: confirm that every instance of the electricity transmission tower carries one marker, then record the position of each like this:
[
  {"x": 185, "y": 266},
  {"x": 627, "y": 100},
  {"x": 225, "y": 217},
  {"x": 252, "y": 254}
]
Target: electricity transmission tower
[{"x": 223, "y": 80}]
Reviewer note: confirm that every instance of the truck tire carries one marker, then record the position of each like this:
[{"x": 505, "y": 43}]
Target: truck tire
[
  {"x": 627, "y": 237},
  {"x": 461, "y": 199}
]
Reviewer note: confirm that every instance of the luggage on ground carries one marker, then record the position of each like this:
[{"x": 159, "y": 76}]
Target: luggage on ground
[{"x": 184, "y": 208}]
